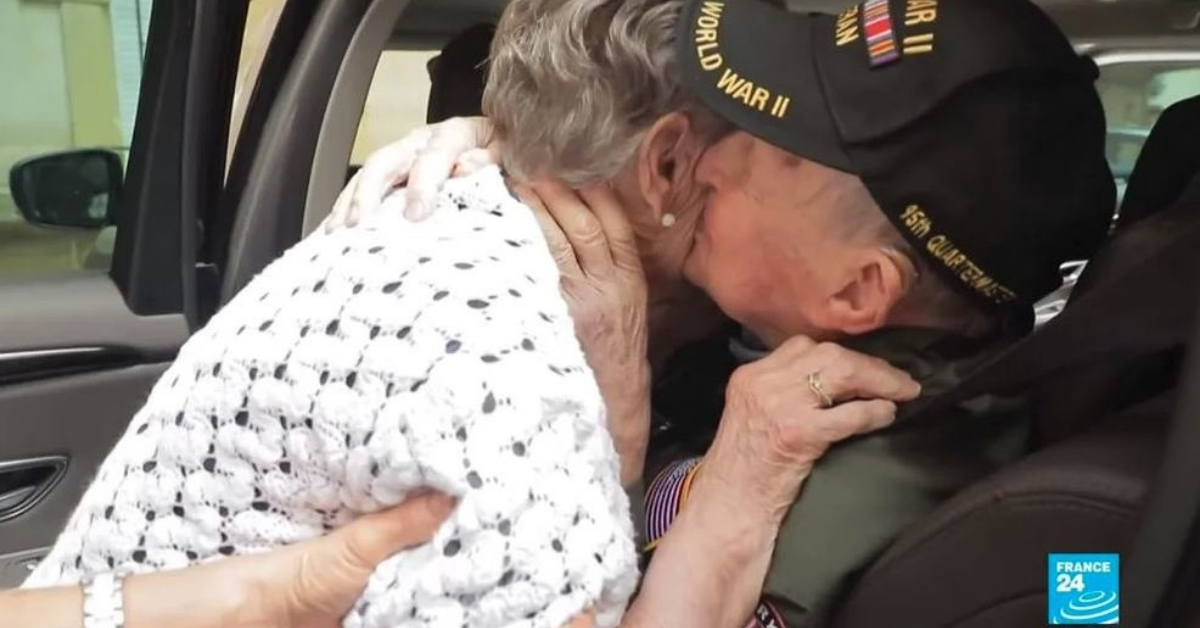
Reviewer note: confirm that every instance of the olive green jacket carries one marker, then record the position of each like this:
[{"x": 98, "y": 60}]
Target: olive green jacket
[{"x": 864, "y": 492}]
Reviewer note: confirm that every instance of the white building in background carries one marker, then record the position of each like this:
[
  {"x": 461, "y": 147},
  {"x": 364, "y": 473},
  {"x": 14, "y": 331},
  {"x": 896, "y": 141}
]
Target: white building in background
[
  {"x": 130, "y": 24},
  {"x": 70, "y": 71}
]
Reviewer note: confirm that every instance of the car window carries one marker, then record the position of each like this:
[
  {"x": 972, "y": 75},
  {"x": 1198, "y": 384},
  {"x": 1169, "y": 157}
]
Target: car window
[
  {"x": 1134, "y": 95},
  {"x": 71, "y": 73},
  {"x": 397, "y": 103},
  {"x": 262, "y": 17}
]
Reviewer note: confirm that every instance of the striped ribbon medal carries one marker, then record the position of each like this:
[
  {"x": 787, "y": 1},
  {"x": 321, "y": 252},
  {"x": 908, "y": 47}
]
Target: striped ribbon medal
[
  {"x": 881, "y": 37},
  {"x": 665, "y": 497}
]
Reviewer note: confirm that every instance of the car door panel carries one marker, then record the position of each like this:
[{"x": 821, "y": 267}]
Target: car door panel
[
  {"x": 78, "y": 418},
  {"x": 80, "y": 351},
  {"x": 46, "y": 314},
  {"x": 75, "y": 366}
]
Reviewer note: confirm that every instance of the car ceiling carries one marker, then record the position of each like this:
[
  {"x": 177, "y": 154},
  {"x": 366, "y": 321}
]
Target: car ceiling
[{"x": 429, "y": 22}]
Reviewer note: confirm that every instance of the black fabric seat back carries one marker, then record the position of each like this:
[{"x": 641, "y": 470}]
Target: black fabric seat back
[
  {"x": 1169, "y": 159},
  {"x": 1166, "y": 165},
  {"x": 457, "y": 76},
  {"x": 980, "y": 560}
]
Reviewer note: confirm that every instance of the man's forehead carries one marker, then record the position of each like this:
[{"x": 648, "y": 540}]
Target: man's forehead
[
  {"x": 782, "y": 161},
  {"x": 775, "y": 180}
]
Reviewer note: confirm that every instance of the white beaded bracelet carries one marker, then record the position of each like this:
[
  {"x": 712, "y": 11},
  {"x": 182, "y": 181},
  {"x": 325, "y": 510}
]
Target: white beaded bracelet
[{"x": 103, "y": 601}]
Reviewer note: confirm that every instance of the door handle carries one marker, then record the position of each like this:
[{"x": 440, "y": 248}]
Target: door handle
[{"x": 24, "y": 483}]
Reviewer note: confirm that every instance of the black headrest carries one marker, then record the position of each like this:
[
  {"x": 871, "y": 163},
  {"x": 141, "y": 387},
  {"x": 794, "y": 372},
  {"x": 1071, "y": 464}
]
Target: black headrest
[
  {"x": 457, "y": 76},
  {"x": 1150, "y": 217},
  {"x": 1169, "y": 159}
]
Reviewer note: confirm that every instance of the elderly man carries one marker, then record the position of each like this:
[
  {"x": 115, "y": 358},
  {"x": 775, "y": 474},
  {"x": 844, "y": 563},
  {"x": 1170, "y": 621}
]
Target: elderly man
[{"x": 904, "y": 179}]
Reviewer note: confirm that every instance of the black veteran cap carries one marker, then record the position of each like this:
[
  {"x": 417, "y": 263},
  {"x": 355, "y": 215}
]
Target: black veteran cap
[{"x": 973, "y": 123}]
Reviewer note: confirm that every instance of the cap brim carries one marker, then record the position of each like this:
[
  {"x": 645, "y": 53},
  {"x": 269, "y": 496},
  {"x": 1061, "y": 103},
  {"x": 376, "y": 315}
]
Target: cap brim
[{"x": 755, "y": 65}]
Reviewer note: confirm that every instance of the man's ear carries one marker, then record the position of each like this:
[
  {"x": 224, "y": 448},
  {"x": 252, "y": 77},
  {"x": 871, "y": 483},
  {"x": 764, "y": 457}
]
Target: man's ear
[
  {"x": 665, "y": 160},
  {"x": 876, "y": 283}
]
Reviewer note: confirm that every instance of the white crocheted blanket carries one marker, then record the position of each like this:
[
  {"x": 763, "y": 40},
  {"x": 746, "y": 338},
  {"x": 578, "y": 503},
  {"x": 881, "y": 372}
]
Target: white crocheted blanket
[{"x": 358, "y": 367}]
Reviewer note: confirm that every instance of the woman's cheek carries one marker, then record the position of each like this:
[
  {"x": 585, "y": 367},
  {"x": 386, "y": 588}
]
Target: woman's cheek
[{"x": 673, "y": 248}]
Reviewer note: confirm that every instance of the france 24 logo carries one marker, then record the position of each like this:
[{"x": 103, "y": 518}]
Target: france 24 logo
[{"x": 1084, "y": 589}]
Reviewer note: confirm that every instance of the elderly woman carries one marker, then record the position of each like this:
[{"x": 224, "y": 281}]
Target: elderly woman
[
  {"x": 908, "y": 202},
  {"x": 366, "y": 364}
]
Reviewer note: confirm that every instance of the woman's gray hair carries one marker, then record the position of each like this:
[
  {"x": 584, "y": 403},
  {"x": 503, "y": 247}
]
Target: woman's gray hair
[{"x": 574, "y": 85}]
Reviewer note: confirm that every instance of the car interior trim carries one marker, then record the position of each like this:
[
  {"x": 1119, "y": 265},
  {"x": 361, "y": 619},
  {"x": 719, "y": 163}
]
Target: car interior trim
[
  {"x": 339, "y": 128},
  {"x": 45, "y": 473},
  {"x": 269, "y": 220},
  {"x": 1147, "y": 56}
]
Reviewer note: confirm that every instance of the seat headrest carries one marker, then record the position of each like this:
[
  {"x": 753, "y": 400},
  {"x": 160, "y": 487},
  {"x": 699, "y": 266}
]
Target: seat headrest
[
  {"x": 457, "y": 76},
  {"x": 1169, "y": 159},
  {"x": 1150, "y": 216}
]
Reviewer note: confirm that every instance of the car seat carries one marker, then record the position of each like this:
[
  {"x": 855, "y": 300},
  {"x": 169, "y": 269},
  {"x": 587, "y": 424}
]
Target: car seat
[
  {"x": 980, "y": 559},
  {"x": 1169, "y": 157},
  {"x": 1167, "y": 163},
  {"x": 457, "y": 76}
]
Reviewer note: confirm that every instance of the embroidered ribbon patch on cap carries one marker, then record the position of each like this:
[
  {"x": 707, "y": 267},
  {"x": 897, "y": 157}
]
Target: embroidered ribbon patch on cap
[
  {"x": 881, "y": 38},
  {"x": 666, "y": 496}
]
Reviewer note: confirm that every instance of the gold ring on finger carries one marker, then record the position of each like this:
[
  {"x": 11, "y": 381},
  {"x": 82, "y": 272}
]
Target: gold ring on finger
[{"x": 818, "y": 390}]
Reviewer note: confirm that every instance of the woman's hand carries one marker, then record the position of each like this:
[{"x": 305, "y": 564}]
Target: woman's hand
[
  {"x": 605, "y": 289},
  {"x": 422, "y": 161},
  {"x": 314, "y": 584},
  {"x": 708, "y": 570},
  {"x": 776, "y": 426},
  {"x": 307, "y": 585}
]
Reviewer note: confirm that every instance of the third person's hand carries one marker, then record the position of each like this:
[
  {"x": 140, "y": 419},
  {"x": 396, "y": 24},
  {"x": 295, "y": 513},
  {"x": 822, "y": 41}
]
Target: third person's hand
[{"x": 421, "y": 162}]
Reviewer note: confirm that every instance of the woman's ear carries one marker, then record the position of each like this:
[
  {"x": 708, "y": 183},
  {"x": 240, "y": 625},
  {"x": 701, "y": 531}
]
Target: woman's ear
[
  {"x": 665, "y": 158},
  {"x": 877, "y": 282}
]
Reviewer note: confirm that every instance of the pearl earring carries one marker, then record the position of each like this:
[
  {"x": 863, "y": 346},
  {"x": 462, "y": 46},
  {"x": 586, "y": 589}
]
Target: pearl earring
[{"x": 668, "y": 220}]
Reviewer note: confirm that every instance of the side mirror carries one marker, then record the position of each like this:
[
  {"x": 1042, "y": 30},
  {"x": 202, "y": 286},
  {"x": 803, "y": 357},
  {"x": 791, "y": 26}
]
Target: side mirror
[{"x": 77, "y": 189}]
